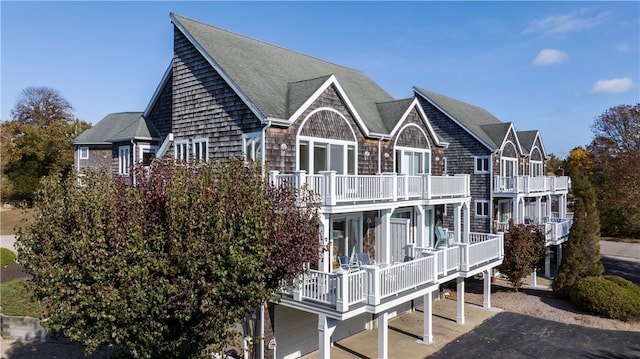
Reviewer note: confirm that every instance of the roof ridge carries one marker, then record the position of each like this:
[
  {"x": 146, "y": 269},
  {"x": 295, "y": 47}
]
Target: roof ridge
[{"x": 266, "y": 43}]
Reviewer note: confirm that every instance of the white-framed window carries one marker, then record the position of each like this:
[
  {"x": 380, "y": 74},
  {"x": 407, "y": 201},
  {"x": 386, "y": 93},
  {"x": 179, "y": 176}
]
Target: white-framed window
[
  {"x": 535, "y": 169},
  {"x": 201, "y": 149},
  {"x": 252, "y": 146},
  {"x": 444, "y": 166},
  {"x": 146, "y": 153},
  {"x": 84, "y": 153},
  {"x": 412, "y": 161},
  {"x": 482, "y": 208},
  {"x": 315, "y": 155},
  {"x": 181, "y": 150},
  {"x": 509, "y": 167},
  {"x": 481, "y": 164},
  {"x": 124, "y": 160}
]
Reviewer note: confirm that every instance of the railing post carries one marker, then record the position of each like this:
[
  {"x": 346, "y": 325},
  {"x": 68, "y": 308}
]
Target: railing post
[
  {"x": 301, "y": 178},
  {"x": 426, "y": 186},
  {"x": 405, "y": 185},
  {"x": 297, "y": 288},
  {"x": 435, "y": 266},
  {"x": 373, "y": 297},
  {"x": 342, "y": 300},
  {"x": 273, "y": 177},
  {"x": 329, "y": 195},
  {"x": 394, "y": 186}
]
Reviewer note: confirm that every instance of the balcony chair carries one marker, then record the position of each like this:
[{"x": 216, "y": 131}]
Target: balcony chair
[
  {"x": 364, "y": 259},
  {"x": 345, "y": 265},
  {"x": 442, "y": 239}
]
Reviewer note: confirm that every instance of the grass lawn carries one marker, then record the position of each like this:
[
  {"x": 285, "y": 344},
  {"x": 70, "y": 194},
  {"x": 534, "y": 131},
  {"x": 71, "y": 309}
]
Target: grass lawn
[
  {"x": 16, "y": 299},
  {"x": 9, "y": 220}
]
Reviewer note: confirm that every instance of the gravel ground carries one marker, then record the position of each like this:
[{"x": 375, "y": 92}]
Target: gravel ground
[{"x": 539, "y": 302}]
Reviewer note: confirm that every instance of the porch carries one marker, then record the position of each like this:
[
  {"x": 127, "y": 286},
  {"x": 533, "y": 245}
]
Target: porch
[
  {"x": 333, "y": 189},
  {"x": 555, "y": 229},
  {"x": 527, "y": 184},
  {"x": 370, "y": 287}
]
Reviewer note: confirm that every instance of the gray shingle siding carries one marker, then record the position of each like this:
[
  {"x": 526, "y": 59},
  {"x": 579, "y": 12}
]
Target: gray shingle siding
[
  {"x": 205, "y": 106},
  {"x": 463, "y": 147},
  {"x": 160, "y": 113}
]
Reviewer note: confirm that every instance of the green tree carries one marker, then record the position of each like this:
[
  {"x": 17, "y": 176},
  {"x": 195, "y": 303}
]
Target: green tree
[
  {"x": 615, "y": 150},
  {"x": 581, "y": 257},
  {"x": 164, "y": 265},
  {"x": 38, "y": 141},
  {"x": 523, "y": 249}
]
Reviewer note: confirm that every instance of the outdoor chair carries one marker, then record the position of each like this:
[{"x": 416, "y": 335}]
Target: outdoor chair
[{"x": 346, "y": 265}]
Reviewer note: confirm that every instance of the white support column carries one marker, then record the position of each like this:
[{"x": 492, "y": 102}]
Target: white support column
[
  {"x": 460, "y": 299},
  {"x": 325, "y": 260},
  {"x": 486, "y": 294},
  {"x": 457, "y": 214},
  {"x": 385, "y": 241},
  {"x": 538, "y": 210},
  {"x": 427, "y": 318},
  {"x": 420, "y": 213},
  {"x": 383, "y": 336},
  {"x": 562, "y": 206},
  {"x": 466, "y": 221},
  {"x": 326, "y": 326},
  {"x": 549, "y": 206},
  {"x": 514, "y": 210},
  {"x": 547, "y": 262},
  {"x": 534, "y": 277}
]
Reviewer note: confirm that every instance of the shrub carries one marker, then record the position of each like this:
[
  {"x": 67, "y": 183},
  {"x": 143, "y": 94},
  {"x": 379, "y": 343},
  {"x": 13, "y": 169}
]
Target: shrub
[
  {"x": 608, "y": 296},
  {"x": 7, "y": 257}
]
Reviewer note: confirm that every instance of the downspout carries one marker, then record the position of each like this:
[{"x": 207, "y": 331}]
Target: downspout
[
  {"x": 380, "y": 155},
  {"x": 264, "y": 146},
  {"x": 133, "y": 155},
  {"x": 77, "y": 158}
]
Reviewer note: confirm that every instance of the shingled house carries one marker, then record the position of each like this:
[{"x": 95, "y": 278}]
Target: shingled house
[
  {"x": 507, "y": 169},
  {"x": 401, "y": 224}
]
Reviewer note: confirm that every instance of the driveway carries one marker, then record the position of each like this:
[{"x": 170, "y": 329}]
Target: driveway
[{"x": 511, "y": 335}]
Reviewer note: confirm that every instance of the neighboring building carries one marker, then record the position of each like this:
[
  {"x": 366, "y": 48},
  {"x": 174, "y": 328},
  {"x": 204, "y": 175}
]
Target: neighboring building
[
  {"x": 507, "y": 169},
  {"x": 116, "y": 142},
  {"x": 397, "y": 181}
]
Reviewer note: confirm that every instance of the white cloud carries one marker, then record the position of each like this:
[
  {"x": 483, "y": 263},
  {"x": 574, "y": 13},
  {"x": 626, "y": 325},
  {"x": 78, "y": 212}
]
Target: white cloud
[
  {"x": 562, "y": 24},
  {"x": 612, "y": 86},
  {"x": 550, "y": 57}
]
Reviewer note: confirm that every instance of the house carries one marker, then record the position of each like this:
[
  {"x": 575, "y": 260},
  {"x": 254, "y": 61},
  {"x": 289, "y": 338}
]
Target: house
[
  {"x": 397, "y": 227},
  {"x": 507, "y": 170}
]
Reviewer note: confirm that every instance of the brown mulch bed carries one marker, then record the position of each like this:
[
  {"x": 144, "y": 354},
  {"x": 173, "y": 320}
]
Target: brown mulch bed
[{"x": 15, "y": 271}]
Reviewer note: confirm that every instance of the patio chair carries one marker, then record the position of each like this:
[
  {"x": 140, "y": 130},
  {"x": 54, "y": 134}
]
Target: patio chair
[
  {"x": 442, "y": 239},
  {"x": 364, "y": 259},
  {"x": 346, "y": 265}
]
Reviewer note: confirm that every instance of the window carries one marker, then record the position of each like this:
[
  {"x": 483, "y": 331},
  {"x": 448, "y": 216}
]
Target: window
[
  {"x": 316, "y": 156},
  {"x": 147, "y": 153},
  {"x": 181, "y": 151},
  {"x": 124, "y": 160},
  {"x": 252, "y": 146},
  {"x": 444, "y": 166},
  {"x": 536, "y": 169},
  {"x": 481, "y": 165},
  {"x": 482, "y": 209},
  {"x": 201, "y": 149},
  {"x": 84, "y": 153},
  {"x": 412, "y": 162},
  {"x": 509, "y": 167}
]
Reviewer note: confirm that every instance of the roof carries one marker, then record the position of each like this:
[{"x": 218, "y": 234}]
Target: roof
[
  {"x": 119, "y": 126},
  {"x": 476, "y": 120},
  {"x": 275, "y": 80},
  {"x": 527, "y": 139}
]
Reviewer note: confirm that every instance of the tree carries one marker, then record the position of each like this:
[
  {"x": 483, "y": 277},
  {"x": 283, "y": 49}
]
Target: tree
[
  {"x": 523, "y": 249},
  {"x": 580, "y": 162},
  {"x": 38, "y": 141},
  {"x": 41, "y": 107},
  {"x": 615, "y": 152},
  {"x": 582, "y": 251},
  {"x": 166, "y": 264}
]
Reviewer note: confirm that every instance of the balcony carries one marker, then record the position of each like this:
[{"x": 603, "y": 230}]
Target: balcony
[
  {"x": 372, "y": 285},
  {"x": 529, "y": 185},
  {"x": 555, "y": 229},
  {"x": 333, "y": 189}
]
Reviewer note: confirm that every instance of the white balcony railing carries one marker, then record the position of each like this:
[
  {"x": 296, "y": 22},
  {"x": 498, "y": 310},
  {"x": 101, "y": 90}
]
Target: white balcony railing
[
  {"x": 555, "y": 229},
  {"x": 333, "y": 189},
  {"x": 372, "y": 284},
  {"x": 527, "y": 184}
]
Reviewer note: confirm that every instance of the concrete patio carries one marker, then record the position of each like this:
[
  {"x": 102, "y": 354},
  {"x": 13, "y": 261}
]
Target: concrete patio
[{"x": 405, "y": 333}]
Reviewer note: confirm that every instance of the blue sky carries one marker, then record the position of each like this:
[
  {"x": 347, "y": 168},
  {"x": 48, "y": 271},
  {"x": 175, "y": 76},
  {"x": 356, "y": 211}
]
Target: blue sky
[{"x": 551, "y": 66}]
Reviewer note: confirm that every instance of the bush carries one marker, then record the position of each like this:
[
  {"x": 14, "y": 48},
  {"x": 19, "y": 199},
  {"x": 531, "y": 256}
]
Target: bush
[
  {"x": 7, "y": 257},
  {"x": 608, "y": 296}
]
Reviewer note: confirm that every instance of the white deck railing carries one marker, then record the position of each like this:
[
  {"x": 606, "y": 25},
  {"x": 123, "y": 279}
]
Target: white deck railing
[
  {"x": 374, "y": 283},
  {"x": 333, "y": 189},
  {"x": 527, "y": 184},
  {"x": 556, "y": 230}
]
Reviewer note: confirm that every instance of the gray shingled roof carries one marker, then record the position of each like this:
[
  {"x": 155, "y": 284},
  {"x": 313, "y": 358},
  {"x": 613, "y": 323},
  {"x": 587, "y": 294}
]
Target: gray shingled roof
[
  {"x": 266, "y": 73},
  {"x": 475, "y": 119},
  {"x": 527, "y": 139},
  {"x": 121, "y": 125}
]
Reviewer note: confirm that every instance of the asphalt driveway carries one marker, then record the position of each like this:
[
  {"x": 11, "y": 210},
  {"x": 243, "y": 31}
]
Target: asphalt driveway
[{"x": 511, "y": 335}]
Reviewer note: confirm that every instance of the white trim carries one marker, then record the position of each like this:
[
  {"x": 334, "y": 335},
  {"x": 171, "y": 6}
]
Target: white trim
[
  {"x": 484, "y": 204},
  {"x": 475, "y": 164},
  {"x": 145, "y": 147},
  {"x": 426, "y": 153},
  {"x": 219, "y": 70},
  {"x": 124, "y": 159},
  {"x": 253, "y": 138},
  {"x": 519, "y": 151},
  {"x": 196, "y": 144},
  {"x": 85, "y": 150},
  {"x": 181, "y": 150},
  {"x": 416, "y": 104}
]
